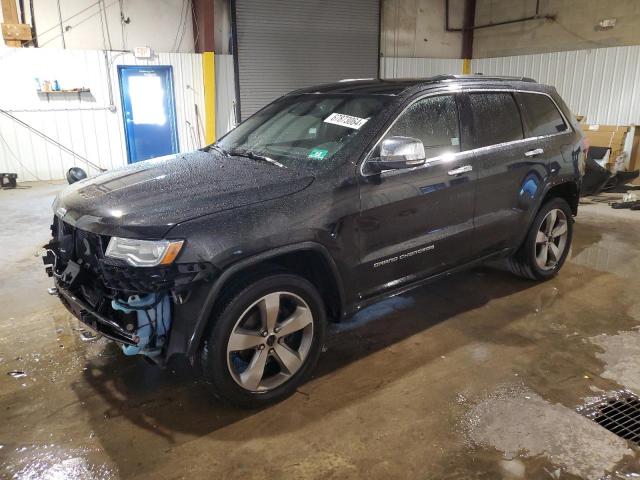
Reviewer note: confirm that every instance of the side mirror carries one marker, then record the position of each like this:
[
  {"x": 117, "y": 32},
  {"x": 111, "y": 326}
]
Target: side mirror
[
  {"x": 75, "y": 174},
  {"x": 397, "y": 153}
]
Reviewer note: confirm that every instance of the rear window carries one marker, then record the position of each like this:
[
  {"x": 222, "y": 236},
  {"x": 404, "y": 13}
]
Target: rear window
[
  {"x": 495, "y": 118},
  {"x": 541, "y": 115}
]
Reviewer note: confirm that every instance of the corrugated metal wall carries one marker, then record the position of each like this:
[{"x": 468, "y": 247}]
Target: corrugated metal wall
[
  {"x": 398, "y": 67},
  {"x": 83, "y": 123},
  {"x": 225, "y": 95},
  {"x": 603, "y": 84}
]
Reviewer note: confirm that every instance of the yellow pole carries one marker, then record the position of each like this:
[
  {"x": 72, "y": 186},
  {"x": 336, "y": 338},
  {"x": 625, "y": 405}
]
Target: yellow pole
[
  {"x": 209, "y": 77},
  {"x": 466, "y": 66}
]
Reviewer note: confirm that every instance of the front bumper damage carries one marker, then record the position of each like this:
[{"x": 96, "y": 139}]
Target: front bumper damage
[
  {"x": 87, "y": 315},
  {"x": 133, "y": 306}
]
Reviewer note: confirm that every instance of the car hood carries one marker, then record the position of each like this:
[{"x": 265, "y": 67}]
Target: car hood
[{"x": 146, "y": 199}]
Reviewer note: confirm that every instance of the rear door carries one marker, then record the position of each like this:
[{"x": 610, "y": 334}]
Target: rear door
[
  {"x": 418, "y": 221},
  {"x": 507, "y": 176}
]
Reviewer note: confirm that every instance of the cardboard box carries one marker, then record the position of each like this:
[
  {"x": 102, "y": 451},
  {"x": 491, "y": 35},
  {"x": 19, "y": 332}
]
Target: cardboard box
[
  {"x": 611, "y": 136},
  {"x": 16, "y": 32}
]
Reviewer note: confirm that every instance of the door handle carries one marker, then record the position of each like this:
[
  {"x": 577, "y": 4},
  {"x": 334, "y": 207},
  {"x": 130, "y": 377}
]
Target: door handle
[
  {"x": 458, "y": 171},
  {"x": 534, "y": 153}
]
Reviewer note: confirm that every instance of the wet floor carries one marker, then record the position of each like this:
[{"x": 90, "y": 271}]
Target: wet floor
[{"x": 477, "y": 376}]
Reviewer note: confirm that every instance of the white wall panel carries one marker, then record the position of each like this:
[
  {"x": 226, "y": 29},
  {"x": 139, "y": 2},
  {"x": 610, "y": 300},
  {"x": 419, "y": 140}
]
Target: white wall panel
[
  {"x": 225, "y": 94},
  {"x": 164, "y": 25},
  {"x": 602, "y": 83},
  {"x": 83, "y": 123},
  {"x": 401, "y": 67}
]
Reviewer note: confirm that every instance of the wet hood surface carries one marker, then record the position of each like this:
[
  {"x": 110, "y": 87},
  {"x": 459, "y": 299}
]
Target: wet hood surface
[{"x": 150, "y": 197}]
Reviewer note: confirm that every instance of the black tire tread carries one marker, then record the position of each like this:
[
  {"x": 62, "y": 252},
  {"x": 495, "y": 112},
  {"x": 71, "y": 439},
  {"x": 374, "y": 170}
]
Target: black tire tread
[
  {"x": 519, "y": 267},
  {"x": 238, "y": 291},
  {"x": 518, "y": 264}
]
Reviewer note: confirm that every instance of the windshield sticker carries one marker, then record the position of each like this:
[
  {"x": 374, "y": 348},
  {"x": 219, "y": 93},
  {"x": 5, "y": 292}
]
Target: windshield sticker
[
  {"x": 346, "y": 120},
  {"x": 318, "y": 153}
]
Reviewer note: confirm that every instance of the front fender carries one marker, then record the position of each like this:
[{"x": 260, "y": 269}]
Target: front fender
[{"x": 208, "y": 299}]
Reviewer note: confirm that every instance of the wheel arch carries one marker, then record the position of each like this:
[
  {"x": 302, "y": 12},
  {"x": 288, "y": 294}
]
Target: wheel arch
[
  {"x": 311, "y": 260},
  {"x": 566, "y": 190}
]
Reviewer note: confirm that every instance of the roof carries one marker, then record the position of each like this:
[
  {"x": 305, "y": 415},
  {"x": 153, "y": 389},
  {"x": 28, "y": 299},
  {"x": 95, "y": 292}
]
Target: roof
[{"x": 376, "y": 86}]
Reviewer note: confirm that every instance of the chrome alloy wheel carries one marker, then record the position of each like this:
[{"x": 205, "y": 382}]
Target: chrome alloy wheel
[
  {"x": 270, "y": 341},
  {"x": 551, "y": 239}
]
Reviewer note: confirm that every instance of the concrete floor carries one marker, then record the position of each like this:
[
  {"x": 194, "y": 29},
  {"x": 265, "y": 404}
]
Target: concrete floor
[{"x": 477, "y": 376}]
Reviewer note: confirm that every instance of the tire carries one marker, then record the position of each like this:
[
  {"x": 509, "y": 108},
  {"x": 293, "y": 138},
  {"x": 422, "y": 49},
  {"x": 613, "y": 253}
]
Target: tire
[
  {"x": 526, "y": 262},
  {"x": 283, "y": 358}
]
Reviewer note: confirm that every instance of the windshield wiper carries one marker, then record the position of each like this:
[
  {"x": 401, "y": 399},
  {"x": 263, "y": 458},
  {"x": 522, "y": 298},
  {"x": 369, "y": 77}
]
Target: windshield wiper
[
  {"x": 256, "y": 156},
  {"x": 218, "y": 148}
]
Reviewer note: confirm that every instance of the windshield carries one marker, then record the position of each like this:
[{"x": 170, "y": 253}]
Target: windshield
[{"x": 309, "y": 129}]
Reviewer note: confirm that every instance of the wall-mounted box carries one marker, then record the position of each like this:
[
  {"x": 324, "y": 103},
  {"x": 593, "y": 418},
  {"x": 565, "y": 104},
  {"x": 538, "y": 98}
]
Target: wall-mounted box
[{"x": 16, "y": 32}]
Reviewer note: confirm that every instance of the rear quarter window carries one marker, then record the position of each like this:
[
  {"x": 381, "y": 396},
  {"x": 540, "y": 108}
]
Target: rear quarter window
[
  {"x": 493, "y": 118},
  {"x": 541, "y": 115}
]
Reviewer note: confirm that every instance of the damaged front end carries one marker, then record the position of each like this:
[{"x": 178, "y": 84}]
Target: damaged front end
[{"x": 132, "y": 305}]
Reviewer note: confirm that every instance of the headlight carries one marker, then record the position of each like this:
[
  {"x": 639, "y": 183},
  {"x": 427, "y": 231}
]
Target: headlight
[{"x": 144, "y": 253}]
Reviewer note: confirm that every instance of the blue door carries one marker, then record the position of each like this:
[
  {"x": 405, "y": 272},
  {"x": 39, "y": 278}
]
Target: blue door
[{"x": 149, "y": 111}]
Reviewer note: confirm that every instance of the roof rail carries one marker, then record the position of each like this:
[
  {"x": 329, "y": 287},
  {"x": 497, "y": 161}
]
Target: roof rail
[
  {"x": 480, "y": 76},
  {"x": 355, "y": 79},
  {"x": 439, "y": 78}
]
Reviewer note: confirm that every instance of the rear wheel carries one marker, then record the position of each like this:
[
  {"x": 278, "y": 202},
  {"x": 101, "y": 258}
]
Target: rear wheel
[
  {"x": 266, "y": 340},
  {"x": 547, "y": 244}
]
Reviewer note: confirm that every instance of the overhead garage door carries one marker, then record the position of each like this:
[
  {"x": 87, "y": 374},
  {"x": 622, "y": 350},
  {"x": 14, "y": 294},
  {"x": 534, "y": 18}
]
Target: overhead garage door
[{"x": 287, "y": 44}]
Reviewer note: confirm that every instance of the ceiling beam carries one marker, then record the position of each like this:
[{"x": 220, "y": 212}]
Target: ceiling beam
[{"x": 203, "y": 34}]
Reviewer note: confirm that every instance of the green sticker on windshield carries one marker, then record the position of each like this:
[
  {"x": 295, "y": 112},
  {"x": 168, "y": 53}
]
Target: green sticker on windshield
[{"x": 318, "y": 153}]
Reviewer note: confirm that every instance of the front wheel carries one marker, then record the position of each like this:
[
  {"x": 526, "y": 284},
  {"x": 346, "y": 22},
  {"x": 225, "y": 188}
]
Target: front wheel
[
  {"x": 548, "y": 241},
  {"x": 266, "y": 340}
]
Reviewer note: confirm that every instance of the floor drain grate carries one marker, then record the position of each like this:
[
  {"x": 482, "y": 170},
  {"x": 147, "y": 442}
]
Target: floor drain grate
[{"x": 618, "y": 412}]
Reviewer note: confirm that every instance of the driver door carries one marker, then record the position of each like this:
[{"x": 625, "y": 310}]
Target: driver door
[{"x": 416, "y": 222}]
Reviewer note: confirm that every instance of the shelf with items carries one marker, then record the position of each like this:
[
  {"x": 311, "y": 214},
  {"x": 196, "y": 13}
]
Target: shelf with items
[{"x": 71, "y": 91}]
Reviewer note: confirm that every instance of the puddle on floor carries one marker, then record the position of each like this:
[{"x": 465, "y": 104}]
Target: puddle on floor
[
  {"x": 522, "y": 425},
  {"x": 610, "y": 254},
  {"x": 50, "y": 462}
]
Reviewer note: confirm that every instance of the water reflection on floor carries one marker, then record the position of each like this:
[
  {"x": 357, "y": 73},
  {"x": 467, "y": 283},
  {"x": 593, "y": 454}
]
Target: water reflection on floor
[{"x": 474, "y": 376}]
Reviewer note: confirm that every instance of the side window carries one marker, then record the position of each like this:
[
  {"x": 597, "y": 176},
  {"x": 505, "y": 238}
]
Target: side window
[
  {"x": 541, "y": 115},
  {"x": 434, "y": 120},
  {"x": 493, "y": 118}
]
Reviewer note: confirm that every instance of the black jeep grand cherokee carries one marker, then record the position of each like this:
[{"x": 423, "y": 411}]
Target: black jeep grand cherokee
[{"x": 326, "y": 200}]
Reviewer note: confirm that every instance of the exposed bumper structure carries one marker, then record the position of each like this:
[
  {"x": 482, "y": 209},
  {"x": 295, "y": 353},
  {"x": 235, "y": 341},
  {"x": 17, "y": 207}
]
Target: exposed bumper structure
[
  {"x": 133, "y": 306},
  {"x": 87, "y": 315}
]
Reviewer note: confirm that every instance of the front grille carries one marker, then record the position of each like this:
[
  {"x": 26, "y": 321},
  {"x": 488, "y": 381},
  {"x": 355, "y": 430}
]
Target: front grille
[
  {"x": 89, "y": 249},
  {"x": 619, "y": 413},
  {"x": 79, "y": 245}
]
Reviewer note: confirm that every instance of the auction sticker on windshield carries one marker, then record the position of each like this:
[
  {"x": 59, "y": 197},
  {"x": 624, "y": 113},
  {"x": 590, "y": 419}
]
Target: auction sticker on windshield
[
  {"x": 318, "y": 153},
  {"x": 346, "y": 120}
]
